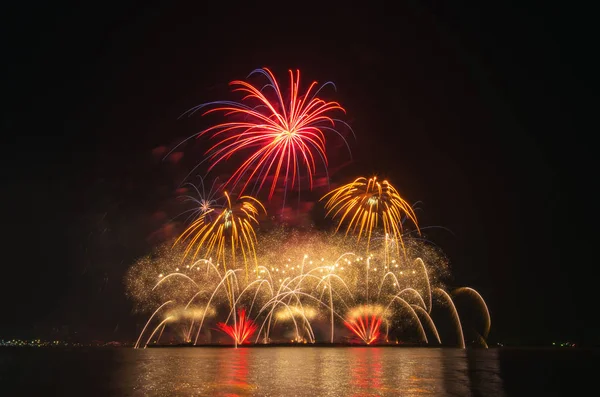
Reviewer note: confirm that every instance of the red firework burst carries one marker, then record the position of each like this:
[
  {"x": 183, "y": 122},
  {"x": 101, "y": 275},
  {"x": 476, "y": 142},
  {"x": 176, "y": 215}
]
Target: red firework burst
[
  {"x": 280, "y": 136},
  {"x": 366, "y": 327},
  {"x": 242, "y": 329}
]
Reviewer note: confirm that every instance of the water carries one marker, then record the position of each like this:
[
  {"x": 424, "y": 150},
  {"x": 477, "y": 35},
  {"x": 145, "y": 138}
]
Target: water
[{"x": 294, "y": 371}]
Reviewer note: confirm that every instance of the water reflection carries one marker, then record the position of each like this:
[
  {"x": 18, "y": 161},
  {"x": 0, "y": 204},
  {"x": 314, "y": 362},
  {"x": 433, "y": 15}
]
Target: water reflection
[
  {"x": 366, "y": 371},
  {"x": 357, "y": 372},
  {"x": 455, "y": 372},
  {"x": 484, "y": 373},
  {"x": 232, "y": 375}
]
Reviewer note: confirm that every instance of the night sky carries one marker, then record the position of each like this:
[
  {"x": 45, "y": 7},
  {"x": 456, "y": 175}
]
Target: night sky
[{"x": 472, "y": 111}]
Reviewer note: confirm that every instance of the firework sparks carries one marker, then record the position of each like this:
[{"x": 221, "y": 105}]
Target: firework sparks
[
  {"x": 241, "y": 330},
  {"x": 318, "y": 283},
  {"x": 281, "y": 134},
  {"x": 302, "y": 282},
  {"x": 216, "y": 229},
  {"x": 367, "y": 203},
  {"x": 366, "y": 324},
  {"x": 203, "y": 200}
]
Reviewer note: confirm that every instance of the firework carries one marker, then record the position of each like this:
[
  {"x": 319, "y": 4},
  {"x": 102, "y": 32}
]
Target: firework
[
  {"x": 365, "y": 322},
  {"x": 365, "y": 204},
  {"x": 305, "y": 286},
  {"x": 141, "y": 279},
  {"x": 280, "y": 135},
  {"x": 204, "y": 202},
  {"x": 218, "y": 228},
  {"x": 241, "y": 330},
  {"x": 307, "y": 282}
]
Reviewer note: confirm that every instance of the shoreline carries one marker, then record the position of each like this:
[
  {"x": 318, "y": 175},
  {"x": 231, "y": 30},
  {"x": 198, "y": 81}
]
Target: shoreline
[{"x": 295, "y": 345}]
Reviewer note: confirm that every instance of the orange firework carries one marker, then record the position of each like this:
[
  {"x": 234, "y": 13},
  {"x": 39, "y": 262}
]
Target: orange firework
[
  {"x": 365, "y": 203},
  {"x": 281, "y": 137},
  {"x": 217, "y": 228}
]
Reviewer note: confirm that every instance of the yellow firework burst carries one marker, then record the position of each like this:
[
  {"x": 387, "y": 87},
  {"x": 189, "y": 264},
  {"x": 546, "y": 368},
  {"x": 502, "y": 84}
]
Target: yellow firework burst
[
  {"x": 224, "y": 231},
  {"x": 366, "y": 204}
]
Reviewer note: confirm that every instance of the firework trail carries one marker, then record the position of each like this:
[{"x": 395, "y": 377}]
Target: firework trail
[{"x": 309, "y": 281}]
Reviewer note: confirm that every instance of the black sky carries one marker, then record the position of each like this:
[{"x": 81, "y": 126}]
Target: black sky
[{"x": 473, "y": 110}]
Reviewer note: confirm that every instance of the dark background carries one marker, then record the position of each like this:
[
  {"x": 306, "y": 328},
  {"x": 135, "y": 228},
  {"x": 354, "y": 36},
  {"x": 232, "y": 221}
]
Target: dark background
[{"x": 473, "y": 110}]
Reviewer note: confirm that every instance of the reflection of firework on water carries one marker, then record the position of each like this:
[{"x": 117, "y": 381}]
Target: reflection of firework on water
[
  {"x": 280, "y": 135},
  {"x": 306, "y": 286},
  {"x": 366, "y": 204},
  {"x": 231, "y": 226}
]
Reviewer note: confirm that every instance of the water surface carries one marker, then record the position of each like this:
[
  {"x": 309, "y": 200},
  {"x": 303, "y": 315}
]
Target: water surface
[{"x": 294, "y": 371}]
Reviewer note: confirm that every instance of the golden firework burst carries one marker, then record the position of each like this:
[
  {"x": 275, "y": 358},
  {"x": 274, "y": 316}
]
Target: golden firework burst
[
  {"x": 366, "y": 204},
  {"x": 225, "y": 231}
]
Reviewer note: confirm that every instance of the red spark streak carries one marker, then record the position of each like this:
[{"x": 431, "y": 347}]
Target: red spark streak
[
  {"x": 279, "y": 141},
  {"x": 365, "y": 327},
  {"x": 241, "y": 330}
]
